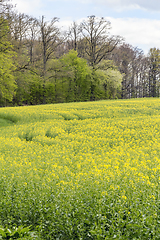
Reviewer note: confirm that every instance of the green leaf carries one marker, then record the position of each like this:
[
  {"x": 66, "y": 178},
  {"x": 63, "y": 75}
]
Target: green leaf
[{"x": 2, "y": 233}]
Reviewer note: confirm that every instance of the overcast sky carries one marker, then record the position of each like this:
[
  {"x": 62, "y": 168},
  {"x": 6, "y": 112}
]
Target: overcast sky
[{"x": 138, "y": 21}]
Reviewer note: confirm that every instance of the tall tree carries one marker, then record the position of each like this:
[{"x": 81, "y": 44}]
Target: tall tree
[
  {"x": 50, "y": 39},
  {"x": 55, "y": 84},
  {"x": 109, "y": 79},
  {"x": 154, "y": 72},
  {"x": 98, "y": 41},
  {"x": 32, "y": 39},
  {"x": 129, "y": 60},
  {"x": 98, "y": 44},
  {"x": 78, "y": 77},
  {"x": 143, "y": 86},
  {"x": 7, "y": 81},
  {"x": 74, "y": 36}
]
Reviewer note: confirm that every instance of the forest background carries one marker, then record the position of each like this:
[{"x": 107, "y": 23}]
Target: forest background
[{"x": 40, "y": 63}]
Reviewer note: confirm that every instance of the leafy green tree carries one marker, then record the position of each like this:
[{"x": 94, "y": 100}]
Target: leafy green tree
[
  {"x": 55, "y": 83},
  {"x": 7, "y": 66},
  {"x": 78, "y": 77},
  {"x": 109, "y": 80},
  {"x": 29, "y": 88}
]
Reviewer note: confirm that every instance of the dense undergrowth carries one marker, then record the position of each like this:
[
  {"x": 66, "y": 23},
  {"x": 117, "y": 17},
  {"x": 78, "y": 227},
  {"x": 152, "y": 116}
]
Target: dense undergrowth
[{"x": 82, "y": 170}]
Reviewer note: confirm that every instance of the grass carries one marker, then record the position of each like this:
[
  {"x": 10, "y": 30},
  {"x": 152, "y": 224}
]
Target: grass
[
  {"x": 82, "y": 170},
  {"x": 4, "y": 122}
]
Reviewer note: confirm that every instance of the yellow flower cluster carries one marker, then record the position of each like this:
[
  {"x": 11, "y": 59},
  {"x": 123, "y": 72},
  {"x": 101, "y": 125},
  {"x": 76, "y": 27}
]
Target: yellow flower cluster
[{"x": 108, "y": 147}]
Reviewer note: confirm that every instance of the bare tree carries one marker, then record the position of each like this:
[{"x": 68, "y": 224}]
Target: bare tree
[
  {"x": 98, "y": 42},
  {"x": 74, "y": 36},
  {"x": 6, "y": 11},
  {"x": 5, "y": 8},
  {"x": 133, "y": 64},
  {"x": 50, "y": 38},
  {"x": 19, "y": 29},
  {"x": 31, "y": 38},
  {"x": 154, "y": 71}
]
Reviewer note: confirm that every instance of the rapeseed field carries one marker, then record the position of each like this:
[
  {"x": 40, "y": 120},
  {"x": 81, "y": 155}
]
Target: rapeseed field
[{"x": 82, "y": 170}]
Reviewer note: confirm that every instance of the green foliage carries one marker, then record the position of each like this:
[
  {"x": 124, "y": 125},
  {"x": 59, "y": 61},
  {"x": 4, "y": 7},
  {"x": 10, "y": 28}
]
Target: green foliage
[
  {"x": 78, "y": 77},
  {"x": 9, "y": 117},
  {"x": 17, "y": 233},
  {"x": 109, "y": 80},
  {"x": 27, "y": 135},
  {"x": 4, "y": 122},
  {"x": 55, "y": 85},
  {"x": 38, "y": 67},
  {"x": 7, "y": 81},
  {"x": 29, "y": 88},
  {"x": 68, "y": 79}
]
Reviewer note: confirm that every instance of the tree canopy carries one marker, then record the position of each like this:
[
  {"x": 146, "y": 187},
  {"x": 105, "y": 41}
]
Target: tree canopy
[
  {"x": 7, "y": 66},
  {"x": 40, "y": 63}
]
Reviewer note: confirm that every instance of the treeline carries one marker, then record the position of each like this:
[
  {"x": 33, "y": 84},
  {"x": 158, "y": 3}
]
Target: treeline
[{"x": 40, "y": 63}]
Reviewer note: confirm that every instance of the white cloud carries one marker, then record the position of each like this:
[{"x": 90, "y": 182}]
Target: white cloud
[
  {"x": 153, "y": 5},
  {"x": 27, "y": 6},
  {"x": 142, "y": 33}
]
